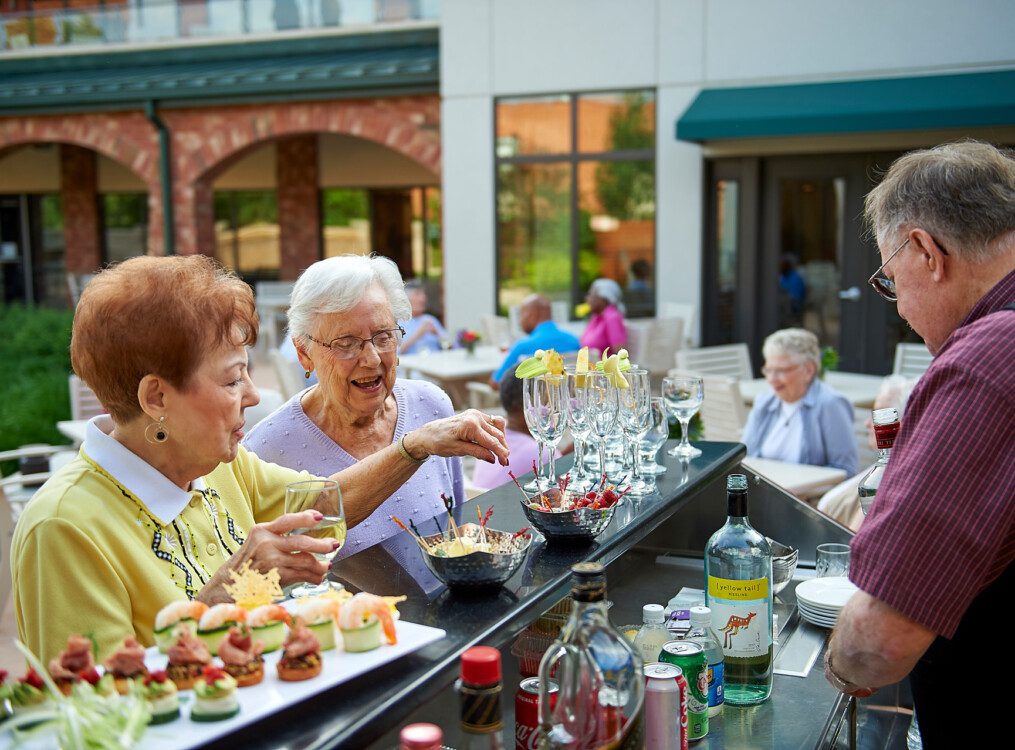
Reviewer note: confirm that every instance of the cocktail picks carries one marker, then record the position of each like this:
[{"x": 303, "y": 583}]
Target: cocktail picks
[
  {"x": 415, "y": 535},
  {"x": 449, "y": 503}
]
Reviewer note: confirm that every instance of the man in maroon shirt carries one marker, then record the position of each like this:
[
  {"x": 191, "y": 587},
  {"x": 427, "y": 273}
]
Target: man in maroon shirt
[{"x": 933, "y": 560}]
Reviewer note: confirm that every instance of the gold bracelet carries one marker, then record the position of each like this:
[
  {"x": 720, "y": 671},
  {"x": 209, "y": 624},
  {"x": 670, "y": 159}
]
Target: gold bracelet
[{"x": 408, "y": 456}]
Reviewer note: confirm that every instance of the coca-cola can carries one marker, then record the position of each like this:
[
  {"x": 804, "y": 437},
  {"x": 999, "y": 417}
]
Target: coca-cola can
[
  {"x": 665, "y": 707},
  {"x": 527, "y": 712}
]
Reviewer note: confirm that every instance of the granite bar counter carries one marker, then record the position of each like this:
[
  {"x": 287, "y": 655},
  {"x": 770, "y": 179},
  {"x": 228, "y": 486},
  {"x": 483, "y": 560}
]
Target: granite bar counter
[{"x": 367, "y": 711}]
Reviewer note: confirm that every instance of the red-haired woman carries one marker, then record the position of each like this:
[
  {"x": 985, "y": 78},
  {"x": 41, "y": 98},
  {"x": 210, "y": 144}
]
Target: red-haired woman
[{"x": 162, "y": 500}]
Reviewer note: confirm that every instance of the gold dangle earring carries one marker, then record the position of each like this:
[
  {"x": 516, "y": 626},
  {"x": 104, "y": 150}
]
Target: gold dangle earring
[
  {"x": 156, "y": 432},
  {"x": 306, "y": 374}
]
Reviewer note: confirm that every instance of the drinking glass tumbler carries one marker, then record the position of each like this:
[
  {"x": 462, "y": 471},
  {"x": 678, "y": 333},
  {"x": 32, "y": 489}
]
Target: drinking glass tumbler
[{"x": 832, "y": 561}]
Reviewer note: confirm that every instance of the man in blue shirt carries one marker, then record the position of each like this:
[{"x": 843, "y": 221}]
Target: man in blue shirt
[{"x": 535, "y": 318}]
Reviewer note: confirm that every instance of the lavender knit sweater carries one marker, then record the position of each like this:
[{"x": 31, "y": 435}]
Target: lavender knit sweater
[{"x": 288, "y": 437}]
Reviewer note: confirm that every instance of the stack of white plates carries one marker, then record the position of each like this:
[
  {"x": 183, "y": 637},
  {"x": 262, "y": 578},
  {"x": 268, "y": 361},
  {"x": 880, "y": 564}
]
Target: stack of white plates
[{"x": 821, "y": 599}]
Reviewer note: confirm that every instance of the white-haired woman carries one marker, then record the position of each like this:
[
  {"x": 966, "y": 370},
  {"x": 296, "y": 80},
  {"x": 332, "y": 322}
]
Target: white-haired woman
[
  {"x": 800, "y": 419},
  {"x": 344, "y": 319},
  {"x": 842, "y": 502},
  {"x": 606, "y": 327}
]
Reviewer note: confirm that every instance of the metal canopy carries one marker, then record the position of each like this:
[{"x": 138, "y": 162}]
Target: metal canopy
[
  {"x": 366, "y": 65},
  {"x": 883, "y": 104}
]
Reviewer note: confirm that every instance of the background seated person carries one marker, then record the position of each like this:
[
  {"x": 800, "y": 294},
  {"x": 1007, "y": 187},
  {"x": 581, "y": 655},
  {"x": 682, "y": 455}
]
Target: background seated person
[
  {"x": 519, "y": 440},
  {"x": 606, "y": 326},
  {"x": 842, "y": 502},
  {"x": 798, "y": 418},
  {"x": 162, "y": 501},
  {"x": 535, "y": 317},
  {"x": 339, "y": 312},
  {"x": 423, "y": 332}
]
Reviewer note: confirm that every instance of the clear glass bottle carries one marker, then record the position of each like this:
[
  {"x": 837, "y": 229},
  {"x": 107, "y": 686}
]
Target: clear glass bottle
[
  {"x": 886, "y": 428},
  {"x": 479, "y": 688},
  {"x": 601, "y": 697},
  {"x": 738, "y": 590},
  {"x": 653, "y": 634},
  {"x": 701, "y": 633}
]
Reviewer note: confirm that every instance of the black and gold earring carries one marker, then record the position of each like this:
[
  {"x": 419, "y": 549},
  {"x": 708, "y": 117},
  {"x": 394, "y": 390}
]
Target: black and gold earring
[
  {"x": 306, "y": 374},
  {"x": 156, "y": 432}
]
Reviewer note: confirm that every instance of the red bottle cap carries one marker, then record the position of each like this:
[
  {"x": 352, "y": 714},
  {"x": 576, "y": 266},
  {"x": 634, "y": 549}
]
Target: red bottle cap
[
  {"x": 421, "y": 737},
  {"x": 481, "y": 666}
]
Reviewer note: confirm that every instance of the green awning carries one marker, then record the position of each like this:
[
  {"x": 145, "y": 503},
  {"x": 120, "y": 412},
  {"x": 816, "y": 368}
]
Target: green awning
[
  {"x": 342, "y": 65},
  {"x": 881, "y": 104}
]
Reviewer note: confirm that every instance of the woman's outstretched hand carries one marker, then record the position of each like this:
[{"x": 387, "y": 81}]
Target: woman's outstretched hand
[{"x": 471, "y": 433}]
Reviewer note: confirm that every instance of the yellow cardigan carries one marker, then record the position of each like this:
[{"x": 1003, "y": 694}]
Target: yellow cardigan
[{"x": 88, "y": 557}]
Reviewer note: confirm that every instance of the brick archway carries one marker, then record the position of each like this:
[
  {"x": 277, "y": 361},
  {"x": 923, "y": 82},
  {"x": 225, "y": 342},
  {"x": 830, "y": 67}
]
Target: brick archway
[
  {"x": 125, "y": 137},
  {"x": 205, "y": 144}
]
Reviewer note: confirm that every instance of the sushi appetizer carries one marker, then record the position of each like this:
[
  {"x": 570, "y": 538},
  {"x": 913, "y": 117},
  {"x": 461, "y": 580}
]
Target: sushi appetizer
[
  {"x": 214, "y": 624},
  {"x": 126, "y": 664},
  {"x": 173, "y": 614},
  {"x": 188, "y": 656},
  {"x": 268, "y": 624},
  {"x": 161, "y": 694},
  {"x": 214, "y": 696},
  {"x": 361, "y": 621},
  {"x": 320, "y": 615},
  {"x": 301, "y": 655},
  {"x": 241, "y": 655},
  {"x": 72, "y": 664}
]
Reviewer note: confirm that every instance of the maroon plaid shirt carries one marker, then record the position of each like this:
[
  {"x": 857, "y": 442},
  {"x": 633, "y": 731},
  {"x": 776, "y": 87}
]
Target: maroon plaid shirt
[{"x": 943, "y": 525}]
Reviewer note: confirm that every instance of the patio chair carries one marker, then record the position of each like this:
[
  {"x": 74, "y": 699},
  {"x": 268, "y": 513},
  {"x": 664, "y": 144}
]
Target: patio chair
[
  {"x": 723, "y": 414},
  {"x": 911, "y": 360},
  {"x": 84, "y": 404},
  {"x": 653, "y": 343},
  {"x": 6, "y": 533},
  {"x": 496, "y": 329},
  {"x": 686, "y": 312},
  {"x": 272, "y": 300},
  {"x": 730, "y": 360},
  {"x": 18, "y": 489},
  {"x": 288, "y": 373}
]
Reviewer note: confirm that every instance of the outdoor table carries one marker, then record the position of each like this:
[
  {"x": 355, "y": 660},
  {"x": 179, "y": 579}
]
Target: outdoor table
[
  {"x": 802, "y": 480},
  {"x": 73, "y": 429},
  {"x": 452, "y": 369},
  {"x": 859, "y": 388}
]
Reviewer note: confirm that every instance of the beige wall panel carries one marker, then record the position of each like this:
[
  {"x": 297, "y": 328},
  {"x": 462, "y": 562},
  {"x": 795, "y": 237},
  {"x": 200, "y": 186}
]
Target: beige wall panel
[
  {"x": 32, "y": 169},
  {"x": 114, "y": 177},
  {"x": 353, "y": 162},
  {"x": 255, "y": 171}
]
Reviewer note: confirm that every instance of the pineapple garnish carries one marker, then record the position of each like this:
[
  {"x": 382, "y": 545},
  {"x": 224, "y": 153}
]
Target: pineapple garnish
[
  {"x": 541, "y": 363},
  {"x": 581, "y": 367}
]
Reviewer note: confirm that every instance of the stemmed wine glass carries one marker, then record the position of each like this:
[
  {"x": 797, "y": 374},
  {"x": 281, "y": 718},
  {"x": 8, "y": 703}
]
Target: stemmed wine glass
[
  {"x": 325, "y": 496},
  {"x": 683, "y": 395},
  {"x": 658, "y": 433},
  {"x": 635, "y": 419},
  {"x": 544, "y": 404},
  {"x": 579, "y": 422},
  {"x": 603, "y": 406}
]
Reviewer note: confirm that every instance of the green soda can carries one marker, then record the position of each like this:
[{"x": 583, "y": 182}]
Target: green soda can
[{"x": 690, "y": 657}]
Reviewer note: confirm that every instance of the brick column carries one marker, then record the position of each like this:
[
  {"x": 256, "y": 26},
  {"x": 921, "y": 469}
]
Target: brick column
[
  {"x": 79, "y": 192},
  {"x": 299, "y": 207}
]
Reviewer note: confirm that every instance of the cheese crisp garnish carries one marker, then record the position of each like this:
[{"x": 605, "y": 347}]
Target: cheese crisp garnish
[{"x": 251, "y": 588}]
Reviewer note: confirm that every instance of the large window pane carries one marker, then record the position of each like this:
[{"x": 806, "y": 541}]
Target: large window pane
[
  {"x": 48, "y": 246},
  {"x": 539, "y": 125},
  {"x": 346, "y": 218},
  {"x": 534, "y": 232},
  {"x": 617, "y": 229},
  {"x": 727, "y": 207},
  {"x": 616, "y": 121},
  {"x": 124, "y": 225},
  {"x": 246, "y": 233}
]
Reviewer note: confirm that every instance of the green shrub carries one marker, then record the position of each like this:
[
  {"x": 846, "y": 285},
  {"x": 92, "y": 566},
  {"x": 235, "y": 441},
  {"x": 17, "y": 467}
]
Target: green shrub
[{"x": 34, "y": 365}]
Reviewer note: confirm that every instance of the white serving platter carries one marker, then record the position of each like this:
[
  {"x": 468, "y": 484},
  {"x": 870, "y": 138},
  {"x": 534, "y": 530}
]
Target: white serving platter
[{"x": 271, "y": 694}]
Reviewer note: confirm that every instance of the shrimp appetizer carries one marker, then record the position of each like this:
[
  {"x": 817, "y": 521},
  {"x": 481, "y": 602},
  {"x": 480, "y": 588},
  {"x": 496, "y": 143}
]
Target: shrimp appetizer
[
  {"x": 172, "y": 615},
  {"x": 268, "y": 625},
  {"x": 215, "y": 623},
  {"x": 320, "y": 614},
  {"x": 361, "y": 620}
]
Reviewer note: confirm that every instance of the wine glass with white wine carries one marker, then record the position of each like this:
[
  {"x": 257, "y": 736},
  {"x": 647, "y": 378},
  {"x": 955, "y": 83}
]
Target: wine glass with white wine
[{"x": 325, "y": 496}]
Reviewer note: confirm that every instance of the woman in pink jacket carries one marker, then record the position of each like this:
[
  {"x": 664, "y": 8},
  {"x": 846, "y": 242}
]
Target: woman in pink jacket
[{"x": 606, "y": 326}]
